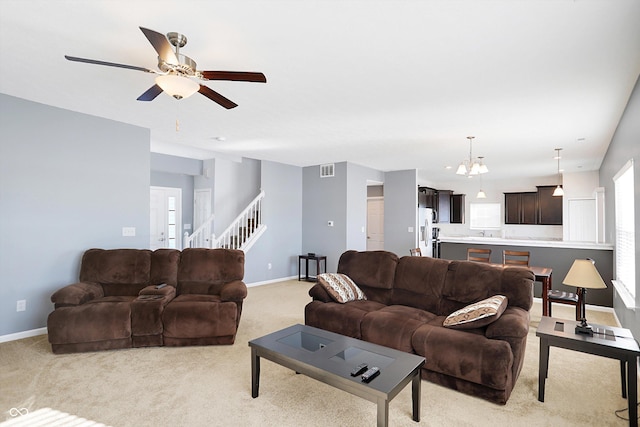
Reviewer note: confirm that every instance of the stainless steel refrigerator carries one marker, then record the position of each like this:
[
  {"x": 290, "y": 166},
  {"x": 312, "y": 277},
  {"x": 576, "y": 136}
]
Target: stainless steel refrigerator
[{"x": 425, "y": 231}]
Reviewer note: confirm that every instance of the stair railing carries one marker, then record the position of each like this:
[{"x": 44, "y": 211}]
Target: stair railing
[
  {"x": 202, "y": 237},
  {"x": 245, "y": 229}
]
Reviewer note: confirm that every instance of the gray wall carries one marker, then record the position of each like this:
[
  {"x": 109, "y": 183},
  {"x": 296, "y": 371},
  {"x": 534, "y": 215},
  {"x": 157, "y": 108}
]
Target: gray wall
[
  {"x": 357, "y": 178},
  {"x": 559, "y": 259},
  {"x": 177, "y": 172},
  {"x": 400, "y": 210},
  {"x": 281, "y": 244},
  {"x": 68, "y": 182},
  {"x": 236, "y": 185},
  {"x": 624, "y": 146},
  {"x": 323, "y": 200},
  {"x": 341, "y": 199}
]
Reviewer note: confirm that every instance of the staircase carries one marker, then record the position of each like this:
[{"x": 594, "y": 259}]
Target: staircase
[{"x": 242, "y": 234}]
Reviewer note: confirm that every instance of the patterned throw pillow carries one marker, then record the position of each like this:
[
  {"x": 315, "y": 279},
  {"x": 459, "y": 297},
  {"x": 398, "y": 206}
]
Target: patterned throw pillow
[
  {"x": 478, "y": 314},
  {"x": 340, "y": 287}
]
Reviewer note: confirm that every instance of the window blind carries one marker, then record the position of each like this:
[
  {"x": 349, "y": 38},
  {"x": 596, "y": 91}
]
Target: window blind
[{"x": 625, "y": 228}]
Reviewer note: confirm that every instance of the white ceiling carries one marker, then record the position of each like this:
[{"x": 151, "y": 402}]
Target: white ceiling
[{"x": 390, "y": 85}]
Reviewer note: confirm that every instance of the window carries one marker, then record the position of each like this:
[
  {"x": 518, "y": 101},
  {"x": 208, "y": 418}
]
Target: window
[
  {"x": 625, "y": 281},
  {"x": 484, "y": 216}
]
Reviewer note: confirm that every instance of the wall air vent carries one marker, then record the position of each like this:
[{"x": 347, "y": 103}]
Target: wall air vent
[{"x": 327, "y": 171}]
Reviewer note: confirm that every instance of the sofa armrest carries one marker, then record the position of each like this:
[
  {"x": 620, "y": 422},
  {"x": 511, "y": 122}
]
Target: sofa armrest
[
  {"x": 514, "y": 323},
  {"x": 319, "y": 293},
  {"x": 234, "y": 291},
  {"x": 76, "y": 294}
]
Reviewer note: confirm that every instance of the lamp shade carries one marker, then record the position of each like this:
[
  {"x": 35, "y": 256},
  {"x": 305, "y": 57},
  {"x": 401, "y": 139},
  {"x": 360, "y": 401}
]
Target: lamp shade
[
  {"x": 583, "y": 274},
  {"x": 558, "y": 192},
  {"x": 177, "y": 86}
]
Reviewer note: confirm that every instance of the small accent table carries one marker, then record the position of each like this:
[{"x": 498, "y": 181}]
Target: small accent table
[
  {"x": 607, "y": 341},
  {"x": 307, "y": 258}
]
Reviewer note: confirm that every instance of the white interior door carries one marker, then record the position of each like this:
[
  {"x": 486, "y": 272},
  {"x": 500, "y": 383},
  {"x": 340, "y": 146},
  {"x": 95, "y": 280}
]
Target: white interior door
[
  {"x": 201, "y": 207},
  {"x": 166, "y": 218},
  {"x": 375, "y": 224}
]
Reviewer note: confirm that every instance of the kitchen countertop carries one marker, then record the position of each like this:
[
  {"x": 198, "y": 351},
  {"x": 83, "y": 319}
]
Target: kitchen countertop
[{"x": 549, "y": 243}]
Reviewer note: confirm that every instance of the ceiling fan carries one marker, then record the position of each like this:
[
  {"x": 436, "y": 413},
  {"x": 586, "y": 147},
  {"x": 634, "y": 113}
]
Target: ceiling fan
[{"x": 177, "y": 72}]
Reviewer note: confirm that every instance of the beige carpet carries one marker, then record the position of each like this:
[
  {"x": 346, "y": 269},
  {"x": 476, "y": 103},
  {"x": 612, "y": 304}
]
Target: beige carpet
[{"x": 211, "y": 386}]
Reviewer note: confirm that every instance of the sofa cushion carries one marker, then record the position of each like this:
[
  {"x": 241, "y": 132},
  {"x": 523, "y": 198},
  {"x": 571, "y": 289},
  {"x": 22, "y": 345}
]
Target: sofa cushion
[
  {"x": 465, "y": 354},
  {"x": 343, "y": 319},
  {"x": 478, "y": 314},
  {"x": 205, "y": 271},
  {"x": 419, "y": 282},
  {"x": 119, "y": 271},
  {"x": 340, "y": 287},
  {"x": 375, "y": 269},
  {"x": 393, "y": 326},
  {"x": 199, "y": 316}
]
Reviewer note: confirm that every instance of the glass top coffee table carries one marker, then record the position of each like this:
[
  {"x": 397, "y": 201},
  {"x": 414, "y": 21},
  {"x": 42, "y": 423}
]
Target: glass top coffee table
[{"x": 330, "y": 358}]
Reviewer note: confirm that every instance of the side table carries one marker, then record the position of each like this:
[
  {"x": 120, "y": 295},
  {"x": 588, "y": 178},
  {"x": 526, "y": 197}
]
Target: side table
[
  {"x": 607, "y": 341},
  {"x": 317, "y": 259}
]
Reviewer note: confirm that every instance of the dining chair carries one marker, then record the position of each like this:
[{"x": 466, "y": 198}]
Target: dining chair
[
  {"x": 563, "y": 297},
  {"x": 478, "y": 255},
  {"x": 415, "y": 252},
  {"x": 516, "y": 258}
]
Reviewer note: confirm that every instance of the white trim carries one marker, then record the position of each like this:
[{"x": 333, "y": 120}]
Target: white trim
[
  {"x": 24, "y": 334},
  {"x": 623, "y": 169},
  {"x": 624, "y": 295},
  {"x": 268, "y": 282}
]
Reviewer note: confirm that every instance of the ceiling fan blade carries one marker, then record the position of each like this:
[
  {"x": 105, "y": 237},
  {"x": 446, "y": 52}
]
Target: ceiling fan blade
[
  {"x": 239, "y": 76},
  {"x": 216, "y": 97},
  {"x": 161, "y": 45},
  {"x": 150, "y": 94},
  {"x": 109, "y": 64}
]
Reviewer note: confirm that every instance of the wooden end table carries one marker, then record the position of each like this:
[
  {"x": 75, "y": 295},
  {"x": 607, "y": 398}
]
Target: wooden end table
[{"x": 607, "y": 341}]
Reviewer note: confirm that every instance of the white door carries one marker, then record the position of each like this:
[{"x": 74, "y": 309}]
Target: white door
[
  {"x": 166, "y": 218},
  {"x": 375, "y": 224},
  {"x": 201, "y": 207}
]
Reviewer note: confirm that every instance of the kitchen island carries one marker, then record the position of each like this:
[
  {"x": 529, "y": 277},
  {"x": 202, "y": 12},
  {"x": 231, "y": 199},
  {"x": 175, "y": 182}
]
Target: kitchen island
[{"x": 556, "y": 254}]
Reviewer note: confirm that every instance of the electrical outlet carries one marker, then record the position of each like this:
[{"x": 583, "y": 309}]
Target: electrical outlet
[
  {"x": 128, "y": 231},
  {"x": 269, "y": 266},
  {"x": 21, "y": 305}
]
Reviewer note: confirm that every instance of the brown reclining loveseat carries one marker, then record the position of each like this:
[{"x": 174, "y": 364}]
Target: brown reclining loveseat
[
  {"x": 140, "y": 298},
  {"x": 407, "y": 302}
]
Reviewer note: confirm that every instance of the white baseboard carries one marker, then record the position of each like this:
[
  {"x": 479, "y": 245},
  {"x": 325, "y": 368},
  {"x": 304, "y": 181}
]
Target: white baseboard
[
  {"x": 24, "y": 334},
  {"x": 268, "y": 282}
]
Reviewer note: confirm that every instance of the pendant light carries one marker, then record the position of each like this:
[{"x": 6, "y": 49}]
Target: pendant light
[
  {"x": 481, "y": 194},
  {"x": 558, "y": 192}
]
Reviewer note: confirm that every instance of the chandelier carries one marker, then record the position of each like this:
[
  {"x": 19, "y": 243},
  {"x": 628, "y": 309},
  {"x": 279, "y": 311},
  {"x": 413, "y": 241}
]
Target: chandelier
[{"x": 472, "y": 166}]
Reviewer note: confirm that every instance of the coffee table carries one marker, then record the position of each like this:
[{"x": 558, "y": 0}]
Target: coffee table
[{"x": 329, "y": 357}]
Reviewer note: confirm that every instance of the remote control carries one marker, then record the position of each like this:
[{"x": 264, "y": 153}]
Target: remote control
[
  {"x": 161, "y": 286},
  {"x": 370, "y": 374},
  {"x": 359, "y": 369}
]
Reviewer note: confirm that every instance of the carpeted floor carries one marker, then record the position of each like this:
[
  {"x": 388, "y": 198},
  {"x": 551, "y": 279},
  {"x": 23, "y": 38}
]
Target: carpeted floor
[{"x": 211, "y": 386}]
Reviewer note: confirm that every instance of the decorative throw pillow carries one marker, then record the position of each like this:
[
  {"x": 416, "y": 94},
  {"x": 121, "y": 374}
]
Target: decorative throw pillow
[
  {"x": 478, "y": 314},
  {"x": 340, "y": 287}
]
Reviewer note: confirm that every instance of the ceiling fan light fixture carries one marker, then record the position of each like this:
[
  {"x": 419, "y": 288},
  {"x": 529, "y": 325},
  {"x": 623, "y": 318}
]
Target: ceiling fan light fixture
[{"x": 178, "y": 87}]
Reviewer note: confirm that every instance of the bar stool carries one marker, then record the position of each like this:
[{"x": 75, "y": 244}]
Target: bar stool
[
  {"x": 516, "y": 258},
  {"x": 415, "y": 252},
  {"x": 478, "y": 255}
]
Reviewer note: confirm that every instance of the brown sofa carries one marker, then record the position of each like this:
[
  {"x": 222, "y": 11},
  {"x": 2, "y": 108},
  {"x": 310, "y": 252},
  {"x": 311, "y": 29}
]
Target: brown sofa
[
  {"x": 116, "y": 303},
  {"x": 407, "y": 302}
]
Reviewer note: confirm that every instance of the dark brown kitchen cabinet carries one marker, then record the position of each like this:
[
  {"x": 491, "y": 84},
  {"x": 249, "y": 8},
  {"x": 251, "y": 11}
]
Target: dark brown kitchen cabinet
[
  {"x": 520, "y": 208},
  {"x": 444, "y": 206},
  {"x": 549, "y": 206},
  {"x": 457, "y": 209}
]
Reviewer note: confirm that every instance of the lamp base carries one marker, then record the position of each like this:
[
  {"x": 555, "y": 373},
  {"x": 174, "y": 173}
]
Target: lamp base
[{"x": 584, "y": 328}]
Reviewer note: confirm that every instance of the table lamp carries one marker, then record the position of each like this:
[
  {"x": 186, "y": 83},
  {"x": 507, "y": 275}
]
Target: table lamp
[{"x": 583, "y": 274}]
